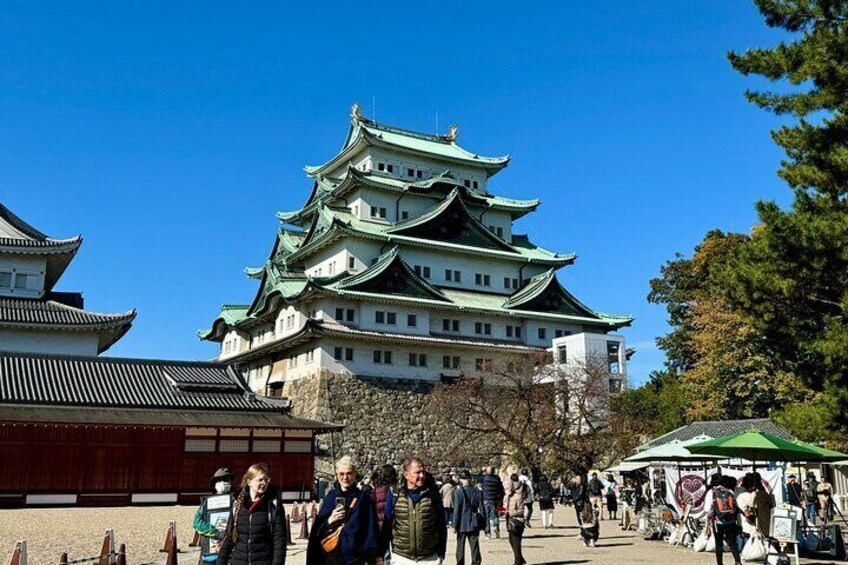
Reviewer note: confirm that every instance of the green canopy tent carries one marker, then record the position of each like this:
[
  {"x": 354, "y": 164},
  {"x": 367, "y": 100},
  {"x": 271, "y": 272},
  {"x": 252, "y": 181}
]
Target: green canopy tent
[
  {"x": 755, "y": 445},
  {"x": 827, "y": 455}
]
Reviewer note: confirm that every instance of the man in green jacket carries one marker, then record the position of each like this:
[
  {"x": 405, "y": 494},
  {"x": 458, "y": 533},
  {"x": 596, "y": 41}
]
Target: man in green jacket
[{"x": 419, "y": 530}]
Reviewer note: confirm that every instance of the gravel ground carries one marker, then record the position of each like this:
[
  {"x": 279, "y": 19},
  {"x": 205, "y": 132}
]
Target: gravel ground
[{"x": 79, "y": 532}]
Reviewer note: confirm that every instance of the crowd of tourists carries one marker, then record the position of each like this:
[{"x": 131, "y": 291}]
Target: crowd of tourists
[{"x": 382, "y": 518}]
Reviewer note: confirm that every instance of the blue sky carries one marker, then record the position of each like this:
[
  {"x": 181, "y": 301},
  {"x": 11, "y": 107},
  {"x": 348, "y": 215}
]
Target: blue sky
[{"x": 169, "y": 134}]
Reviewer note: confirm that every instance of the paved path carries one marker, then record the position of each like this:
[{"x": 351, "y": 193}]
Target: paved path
[{"x": 79, "y": 532}]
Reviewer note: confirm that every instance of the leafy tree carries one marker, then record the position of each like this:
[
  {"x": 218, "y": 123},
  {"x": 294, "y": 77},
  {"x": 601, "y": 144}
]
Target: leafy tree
[
  {"x": 817, "y": 62},
  {"x": 790, "y": 283},
  {"x": 655, "y": 408}
]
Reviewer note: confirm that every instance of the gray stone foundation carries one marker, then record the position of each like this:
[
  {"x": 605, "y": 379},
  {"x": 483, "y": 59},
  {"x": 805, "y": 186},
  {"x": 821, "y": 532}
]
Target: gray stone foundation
[{"x": 386, "y": 420}]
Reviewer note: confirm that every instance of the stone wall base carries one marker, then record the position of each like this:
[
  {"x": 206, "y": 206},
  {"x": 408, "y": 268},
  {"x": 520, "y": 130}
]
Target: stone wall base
[{"x": 386, "y": 421}]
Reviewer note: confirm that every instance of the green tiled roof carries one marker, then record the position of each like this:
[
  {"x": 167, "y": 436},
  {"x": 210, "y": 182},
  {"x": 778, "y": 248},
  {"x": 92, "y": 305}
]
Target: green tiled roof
[
  {"x": 364, "y": 132},
  {"x": 292, "y": 288},
  {"x": 331, "y": 223},
  {"x": 328, "y": 190},
  {"x": 454, "y": 201}
]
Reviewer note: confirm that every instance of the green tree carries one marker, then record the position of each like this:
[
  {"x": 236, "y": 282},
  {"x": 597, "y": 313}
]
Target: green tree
[
  {"x": 655, "y": 408},
  {"x": 817, "y": 62},
  {"x": 790, "y": 282}
]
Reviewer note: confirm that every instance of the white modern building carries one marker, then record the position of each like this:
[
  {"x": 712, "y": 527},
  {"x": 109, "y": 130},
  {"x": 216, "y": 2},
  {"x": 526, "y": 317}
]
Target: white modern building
[
  {"x": 402, "y": 263},
  {"x": 589, "y": 369},
  {"x": 33, "y": 317}
]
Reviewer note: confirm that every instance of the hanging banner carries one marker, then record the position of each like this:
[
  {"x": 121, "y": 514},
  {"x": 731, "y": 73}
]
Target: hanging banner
[{"x": 688, "y": 487}]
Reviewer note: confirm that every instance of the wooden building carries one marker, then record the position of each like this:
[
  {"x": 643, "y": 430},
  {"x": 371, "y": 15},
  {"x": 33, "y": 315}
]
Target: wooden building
[{"x": 106, "y": 431}]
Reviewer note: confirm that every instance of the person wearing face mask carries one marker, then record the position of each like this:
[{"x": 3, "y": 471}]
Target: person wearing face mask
[
  {"x": 212, "y": 515},
  {"x": 346, "y": 531}
]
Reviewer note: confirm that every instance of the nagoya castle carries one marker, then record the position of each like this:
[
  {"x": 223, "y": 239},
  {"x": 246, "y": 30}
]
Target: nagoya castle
[{"x": 400, "y": 271}]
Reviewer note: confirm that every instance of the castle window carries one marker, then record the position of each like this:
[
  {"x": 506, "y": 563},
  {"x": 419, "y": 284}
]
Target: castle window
[
  {"x": 449, "y": 362},
  {"x": 411, "y": 320},
  {"x": 419, "y": 174},
  {"x": 350, "y": 313},
  {"x": 449, "y": 325},
  {"x": 348, "y": 354},
  {"x": 513, "y": 331},
  {"x": 483, "y": 364},
  {"x": 5, "y": 280},
  {"x": 454, "y": 276},
  {"x": 475, "y": 185},
  {"x": 382, "y": 357},
  {"x": 482, "y": 280},
  {"x": 340, "y": 314},
  {"x": 417, "y": 359},
  {"x": 351, "y": 263},
  {"x": 562, "y": 354},
  {"x": 543, "y": 333},
  {"x": 310, "y": 356},
  {"x": 483, "y": 328},
  {"x": 21, "y": 281},
  {"x": 338, "y": 353},
  {"x": 379, "y": 317},
  {"x": 404, "y": 215},
  {"x": 391, "y": 318},
  {"x": 467, "y": 183},
  {"x": 390, "y": 168},
  {"x": 612, "y": 356},
  {"x": 381, "y": 166},
  {"x": 410, "y": 172}
]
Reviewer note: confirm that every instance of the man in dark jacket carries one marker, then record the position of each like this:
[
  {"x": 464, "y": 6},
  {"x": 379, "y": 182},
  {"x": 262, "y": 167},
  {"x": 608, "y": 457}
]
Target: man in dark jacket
[
  {"x": 493, "y": 495},
  {"x": 419, "y": 530},
  {"x": 595, "y": 490},
  {"x": 467, "y": 504},
  {"x": 578, "y": 495},
  {"x": 794, "y": 493}
]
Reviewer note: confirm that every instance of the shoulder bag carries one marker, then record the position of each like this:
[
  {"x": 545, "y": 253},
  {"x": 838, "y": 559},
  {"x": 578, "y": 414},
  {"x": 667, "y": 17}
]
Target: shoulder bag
[{"x": 331, "y": 541}]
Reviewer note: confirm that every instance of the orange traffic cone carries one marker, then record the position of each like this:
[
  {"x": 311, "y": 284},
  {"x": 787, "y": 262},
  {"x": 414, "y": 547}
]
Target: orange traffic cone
[
  {"x": 172, "y": 550},
  {"x": 107, "y": 549},
  {"x": 19, "y": 556},
  {"x": 288, "y": 532},
  {"x": 313, "y": 512},
  {"x": 170, "y": 539},
  {"x": 122, "y": 555},
  {"x": 304, "y": 529},
  {"x": 195, "y": 541}
]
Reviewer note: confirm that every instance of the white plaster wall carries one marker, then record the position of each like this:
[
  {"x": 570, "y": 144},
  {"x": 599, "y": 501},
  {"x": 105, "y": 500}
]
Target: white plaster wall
[
  {"x": 468, "y": 265},
  {"x": 32, "y": 266},
  {"x": 55, "y": 342},
  {"x": 368, "y": 311}
]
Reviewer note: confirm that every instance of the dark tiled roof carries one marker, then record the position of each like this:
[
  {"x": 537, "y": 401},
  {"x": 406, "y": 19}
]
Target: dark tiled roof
[
  {"x": 21, "y": 311},
  {"x": 718, "y": 429},
  {"x": 45, "y": 244},
  {"x": 101, "y": 382},
  {"x": 199, "y": 418}
]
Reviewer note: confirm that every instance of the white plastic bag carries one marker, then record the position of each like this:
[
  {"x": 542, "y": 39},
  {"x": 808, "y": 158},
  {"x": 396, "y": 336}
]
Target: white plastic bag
[
  {"x": 701, "y": 542},
  {"x": 673, "y": 536},
  {"x": 711, "y": 545},
  {"x": 755, "y": 549}
]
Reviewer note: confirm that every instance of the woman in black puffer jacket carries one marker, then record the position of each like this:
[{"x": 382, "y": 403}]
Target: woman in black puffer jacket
[{"x": 256, "y": 532}]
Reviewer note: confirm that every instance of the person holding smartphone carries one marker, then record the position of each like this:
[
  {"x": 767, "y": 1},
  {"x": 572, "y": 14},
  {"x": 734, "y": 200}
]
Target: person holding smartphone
[{"x": 345, "y": 531}]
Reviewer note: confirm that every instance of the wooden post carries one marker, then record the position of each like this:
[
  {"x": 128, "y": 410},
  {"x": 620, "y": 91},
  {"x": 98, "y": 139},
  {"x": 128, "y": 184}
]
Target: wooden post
[
  {"x": 195, "y": 541},
  {"x": 19, "y": 556},
  {"x": 172, "y": 549},
  {"x": 63, "y": 560}
]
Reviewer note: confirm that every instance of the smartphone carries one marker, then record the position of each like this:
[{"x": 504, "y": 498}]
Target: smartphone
[{"x": 341, "y": 502}]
